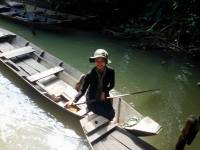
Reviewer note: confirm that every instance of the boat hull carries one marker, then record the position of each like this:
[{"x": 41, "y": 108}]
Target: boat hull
[{"x": 19, "y": 41}]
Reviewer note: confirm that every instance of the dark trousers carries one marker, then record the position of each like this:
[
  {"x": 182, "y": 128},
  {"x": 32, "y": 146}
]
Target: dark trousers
[
  {"x": 104, "y": 109},
  {"x": 181, "y": 143}
]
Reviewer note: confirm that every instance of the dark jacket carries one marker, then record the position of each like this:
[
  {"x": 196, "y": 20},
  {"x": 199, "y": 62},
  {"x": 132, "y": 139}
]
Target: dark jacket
[{"x": 91, "y": 84}]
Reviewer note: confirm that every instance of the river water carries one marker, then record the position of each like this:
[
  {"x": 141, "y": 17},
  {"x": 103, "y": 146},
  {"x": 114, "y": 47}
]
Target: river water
[{"x": 28, "y": 122}]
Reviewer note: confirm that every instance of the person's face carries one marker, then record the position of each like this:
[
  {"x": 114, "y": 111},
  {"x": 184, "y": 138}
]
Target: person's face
[{"x": 100, "y": 63}]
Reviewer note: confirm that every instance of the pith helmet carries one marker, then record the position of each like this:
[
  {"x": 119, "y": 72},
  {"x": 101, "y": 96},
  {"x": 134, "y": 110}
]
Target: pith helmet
[{"x": 100, "y": 53}]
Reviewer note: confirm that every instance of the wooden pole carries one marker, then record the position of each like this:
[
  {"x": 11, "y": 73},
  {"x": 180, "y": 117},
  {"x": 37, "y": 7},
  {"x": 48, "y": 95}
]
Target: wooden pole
[{"x": 122, "y": 95}]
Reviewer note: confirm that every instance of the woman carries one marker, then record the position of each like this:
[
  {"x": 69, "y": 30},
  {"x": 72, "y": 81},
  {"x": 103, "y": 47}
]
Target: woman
[{"x": 98, "y": 82}]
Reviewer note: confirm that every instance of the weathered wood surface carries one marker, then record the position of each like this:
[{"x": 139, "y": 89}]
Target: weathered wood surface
[
  {"x": 130, "y": 143},
  {"x": 145, "y": 126},
  {"x": 45, "y": 73},
  {"x": 112, "y": 136},
  {"x": 5, "y": 46},
  {"x": 29, "y": 70},
  {"x": 112, "y": 144},
  {"x": 66, "y": 96},
  {"x": 121, "y": 140},
  {"x": 57, "y": 87},
  {"x": 99, "y": 146},
  {"x": 17, "y": 52},
  {"x": 13, "y": 65},
  {"x": 97, "y": 136},
  {"x": 94, "y": 124},
  {"x": 34, "y": 64}
]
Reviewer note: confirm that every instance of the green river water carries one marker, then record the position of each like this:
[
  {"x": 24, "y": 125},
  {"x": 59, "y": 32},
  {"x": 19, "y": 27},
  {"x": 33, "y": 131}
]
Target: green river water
[{"x": 28, "y": 122}]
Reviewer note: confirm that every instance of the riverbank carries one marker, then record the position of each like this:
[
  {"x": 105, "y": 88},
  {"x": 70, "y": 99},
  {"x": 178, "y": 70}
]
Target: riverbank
[
  {"x": 166, "y": 38},
  {"x": 167, "y": 26}
]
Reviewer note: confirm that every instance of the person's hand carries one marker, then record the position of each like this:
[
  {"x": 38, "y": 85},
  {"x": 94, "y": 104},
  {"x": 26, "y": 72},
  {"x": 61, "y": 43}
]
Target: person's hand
[
  {"x": 103, "y": 96},
  {"x": 69, "y": 103}
]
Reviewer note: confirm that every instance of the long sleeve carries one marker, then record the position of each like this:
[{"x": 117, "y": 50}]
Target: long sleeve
[{"x": 83, "y": 88}]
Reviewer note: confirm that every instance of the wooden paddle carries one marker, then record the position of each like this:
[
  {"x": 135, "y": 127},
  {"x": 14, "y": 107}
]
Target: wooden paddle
[{"x": 121, "y": 95}]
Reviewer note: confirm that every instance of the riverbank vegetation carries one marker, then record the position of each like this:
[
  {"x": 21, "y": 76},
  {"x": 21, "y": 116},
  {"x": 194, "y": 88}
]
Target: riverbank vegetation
[{"x": 166, "y": 25}]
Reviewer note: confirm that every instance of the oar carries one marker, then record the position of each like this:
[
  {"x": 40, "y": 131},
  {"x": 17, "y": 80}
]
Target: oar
[{"x": 122, "y": 95}]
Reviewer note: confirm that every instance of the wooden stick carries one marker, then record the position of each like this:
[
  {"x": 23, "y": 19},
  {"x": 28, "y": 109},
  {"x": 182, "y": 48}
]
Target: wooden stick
[
  {"x": 140, "y": 92},
  {"x": 122, "y": 95}
]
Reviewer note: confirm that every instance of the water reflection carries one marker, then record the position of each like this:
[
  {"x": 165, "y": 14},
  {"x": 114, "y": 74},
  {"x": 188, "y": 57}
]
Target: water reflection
[{"x": 24, "y": 125}]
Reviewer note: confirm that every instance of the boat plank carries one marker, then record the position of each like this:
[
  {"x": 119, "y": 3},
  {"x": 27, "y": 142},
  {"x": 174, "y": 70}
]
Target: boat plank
[
  {"x": 45, "y": 73},
  {"x": 99, "y": 146},
  {"x": 26, "y": 68},
  {"x": 131, "y": 140},
  {"x": 101, "y": 133},
  {"x": 59, "y": 87},
  {"x": 111, "y": 143},
  {"x": 125, "y": 140},
  {"x": 34, "y": 64},
  {"x": 13, "y": 65},
  {"x": 94, "y": 124},
  {"x": 17, "y": 52},
  {"x": 66, "y": 96},
  {"x": 5, "y": 46}
]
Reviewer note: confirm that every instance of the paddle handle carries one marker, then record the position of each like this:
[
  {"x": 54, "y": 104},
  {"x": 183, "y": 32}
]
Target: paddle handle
[
  {"x": 122, "y": 95},
  {"x": 140, "y": 92}
]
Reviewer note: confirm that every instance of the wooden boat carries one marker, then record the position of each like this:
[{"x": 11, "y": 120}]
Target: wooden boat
[
  {"x": 55, "y": 80},
  {"x": 14, "y": 4},
  {"x": 41, "y": 18},
  {"x": 16, "y": 12},
  {"x": 48, "y": 75},
  {"x": 122, "y": 134}
]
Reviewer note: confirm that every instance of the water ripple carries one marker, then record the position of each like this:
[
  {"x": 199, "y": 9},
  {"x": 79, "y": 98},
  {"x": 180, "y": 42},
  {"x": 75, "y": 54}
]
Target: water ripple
[{"x": 26, "y": 126}]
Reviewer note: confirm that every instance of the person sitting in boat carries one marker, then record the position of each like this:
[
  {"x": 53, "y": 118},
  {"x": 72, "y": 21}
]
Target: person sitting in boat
[{"x": 98, "y": 82}]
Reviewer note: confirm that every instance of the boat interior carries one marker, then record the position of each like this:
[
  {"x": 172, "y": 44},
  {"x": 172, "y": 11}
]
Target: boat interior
[{"x": 44, "y": 72}]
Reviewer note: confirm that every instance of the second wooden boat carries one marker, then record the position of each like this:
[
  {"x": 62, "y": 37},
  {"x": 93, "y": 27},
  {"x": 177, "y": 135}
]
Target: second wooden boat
[
  {"x": 48, "y": 75},
  {"x": 122, "y": 134}
]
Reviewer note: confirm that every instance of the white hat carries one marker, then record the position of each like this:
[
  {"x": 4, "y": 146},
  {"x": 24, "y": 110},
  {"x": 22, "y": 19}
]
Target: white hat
[{"x": 100, "y": 53}]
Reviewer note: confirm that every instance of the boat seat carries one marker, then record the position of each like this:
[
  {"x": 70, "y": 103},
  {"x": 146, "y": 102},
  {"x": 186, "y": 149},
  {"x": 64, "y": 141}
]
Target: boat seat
[
  {"x": 17, "y": 52},
  {"x": 45, "y": 73},
  {"x": 91, "y": 125}
]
